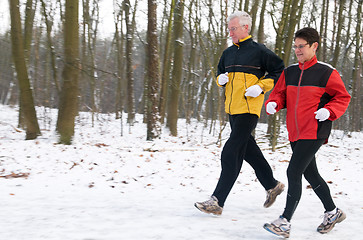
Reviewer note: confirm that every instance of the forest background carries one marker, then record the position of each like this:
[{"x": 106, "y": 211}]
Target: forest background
[{"x": 157, "y": 58}]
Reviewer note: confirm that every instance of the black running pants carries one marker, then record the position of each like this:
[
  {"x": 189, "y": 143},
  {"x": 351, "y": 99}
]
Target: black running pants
[
  {"x": 303, "y": 162},
  {"x": 242, "y": 145}
]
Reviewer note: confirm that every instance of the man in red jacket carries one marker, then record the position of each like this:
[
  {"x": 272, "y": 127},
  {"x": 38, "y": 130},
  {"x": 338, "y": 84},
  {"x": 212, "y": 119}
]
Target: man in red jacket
[{"x": 314, "y": 95}]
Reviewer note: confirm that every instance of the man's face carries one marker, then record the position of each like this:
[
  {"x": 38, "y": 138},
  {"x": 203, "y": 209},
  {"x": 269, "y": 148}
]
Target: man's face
[
  {"x": 304, "y": 52},
  {"x": 236, "y": 31}
]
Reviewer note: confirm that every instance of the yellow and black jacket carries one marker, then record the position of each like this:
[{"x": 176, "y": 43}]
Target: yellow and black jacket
[{"x": 247, "y": 64}]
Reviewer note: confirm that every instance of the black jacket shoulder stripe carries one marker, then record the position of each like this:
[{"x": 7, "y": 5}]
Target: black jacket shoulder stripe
[{"x": 314, "y": 76}]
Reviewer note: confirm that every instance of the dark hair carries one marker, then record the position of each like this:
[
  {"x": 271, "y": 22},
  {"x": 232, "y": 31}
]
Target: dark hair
[{"x": 310, "y": 35}]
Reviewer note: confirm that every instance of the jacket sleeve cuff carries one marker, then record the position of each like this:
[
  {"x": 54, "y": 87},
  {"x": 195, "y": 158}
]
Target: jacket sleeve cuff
[{"x": 266, "y": 84}]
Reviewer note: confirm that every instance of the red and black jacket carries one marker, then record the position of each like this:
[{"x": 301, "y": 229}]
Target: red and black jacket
[{"x": 303, "y": 89}]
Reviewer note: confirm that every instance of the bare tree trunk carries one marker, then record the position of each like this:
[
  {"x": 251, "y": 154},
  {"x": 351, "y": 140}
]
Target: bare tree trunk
[
  {"x": 335, "y": 23},
  {"x": 293, "y": 19},
  {"x": 340, "y": 26},
  {"x": 213, "y": 94},
  {"x": 273, "y": 129},
  {"x": 346, "y": 43},
  {"x": 254, "y": 9},
  {"x": 190, "y": 79},
  {"x": 261, "y": 27},
  {"x": 130, "y": 26},
  {"x": 90, "y": 22},
  {"x": 173, "y": 104},
  {"x": 26, "y": 94},
  {"x": 356, "y": 103},
  {"x": 344, "y": 64},
  {"x": 212, "y": 44},
  {"x": 28, "y": 26},
  {"x": 37, "y": 88},
  {"x": 321, "y": 31},
  {"x": 153, "y": 120},
  {"x": 68, "y": 104},
  {"x": 119, "y": 38},
  {"x": 325, "y": 46},
  {"x": 27, "y": 38},
  {"x": 166, "y": 65},
  {"x": 245, "y": 8},
  {"x": 49, "y": 26},
  {"x": 280, "y": 31}
]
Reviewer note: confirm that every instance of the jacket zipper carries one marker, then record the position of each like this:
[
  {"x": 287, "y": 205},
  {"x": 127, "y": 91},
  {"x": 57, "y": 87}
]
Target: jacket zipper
[
  {"x": 248, "y": 106},
  {"x": 230, "y": 102},
  {"x": 297, "y": 102}
]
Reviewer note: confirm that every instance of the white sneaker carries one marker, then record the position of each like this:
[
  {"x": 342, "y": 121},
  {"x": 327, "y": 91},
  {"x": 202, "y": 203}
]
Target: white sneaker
[
  {"x": 330, "y": 220},
  {"x": 280, "y": 227},
  {"x": 209, "y": 206}
]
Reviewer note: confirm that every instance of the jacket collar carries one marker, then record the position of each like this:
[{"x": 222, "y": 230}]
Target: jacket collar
[
  {"x": 309, "y": 63},
  {"x": 242, "y": 40}
]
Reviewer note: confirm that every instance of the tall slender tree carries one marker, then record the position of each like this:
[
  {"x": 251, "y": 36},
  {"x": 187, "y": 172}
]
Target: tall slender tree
[
  {"x": 338, "y": 34},
  {"x": 355, "y": 108},
  {"x": 166, "y": 66},
  {"x": 253, "y": 14},
  {"x": 281, "y": 25},
  {"x": 48, "y": 18},
  {"x": 246, "y": 5},
  {"x": 130, "y": 28},
  {"x": 119, "y": 42},
  {"x": 321, "y": 30},
  {"x": 325, "y": 45},
  {"x": 89, "y": 66},
  {"x": 261, "y": 27},
  {"x": 26, "y": 93},
  {"x": 153, "y": 119},
  {"x": 68, "y": 103},
  {"x": 30, "y": 8},
  {"x": 190, "y": 83},
  {"x": 293, "y": 19},
  {"x": 274, "y": 121},
  {"x": 173, "y": 103}
]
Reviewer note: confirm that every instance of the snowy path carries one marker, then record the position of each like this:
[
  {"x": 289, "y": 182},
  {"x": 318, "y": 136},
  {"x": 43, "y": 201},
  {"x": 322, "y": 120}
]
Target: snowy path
[{"x": 107, "y": 187}]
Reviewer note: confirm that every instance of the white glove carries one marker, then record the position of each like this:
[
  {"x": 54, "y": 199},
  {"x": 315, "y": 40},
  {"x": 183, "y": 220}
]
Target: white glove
[
  {"x": 271, "y": 107},
  {"x": 253, "y": 91},
  {"x": 322, "y": 114},
  {"x": 223, "y": 78}
]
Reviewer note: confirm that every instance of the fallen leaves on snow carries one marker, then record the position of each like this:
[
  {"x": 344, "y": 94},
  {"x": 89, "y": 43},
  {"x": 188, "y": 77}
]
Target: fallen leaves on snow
[{"x": 16, "y": 175}]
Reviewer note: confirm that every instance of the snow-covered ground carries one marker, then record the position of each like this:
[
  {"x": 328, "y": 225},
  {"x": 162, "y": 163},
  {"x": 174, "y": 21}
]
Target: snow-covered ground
[{"x": 111, "y": 187}]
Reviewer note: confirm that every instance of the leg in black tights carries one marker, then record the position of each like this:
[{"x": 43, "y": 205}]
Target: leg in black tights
[
  {"x": 258, "y": 162},
  {"x": 303, "y": 162},
  {"x": 319, "y": 186},
  {"x": 240, "y": 145}
]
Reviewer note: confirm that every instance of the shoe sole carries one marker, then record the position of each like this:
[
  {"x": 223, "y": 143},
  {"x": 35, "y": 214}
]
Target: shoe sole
[
  {"x": 205, "y": 211},
  {"x": 269, "y": 228},
  {"x": 274, "y": 196},
  {"x": 340, "y": 219}
]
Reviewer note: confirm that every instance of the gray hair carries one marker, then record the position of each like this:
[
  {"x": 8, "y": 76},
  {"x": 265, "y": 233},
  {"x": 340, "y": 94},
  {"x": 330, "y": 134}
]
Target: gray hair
[{"x": 244, "y": 18}]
